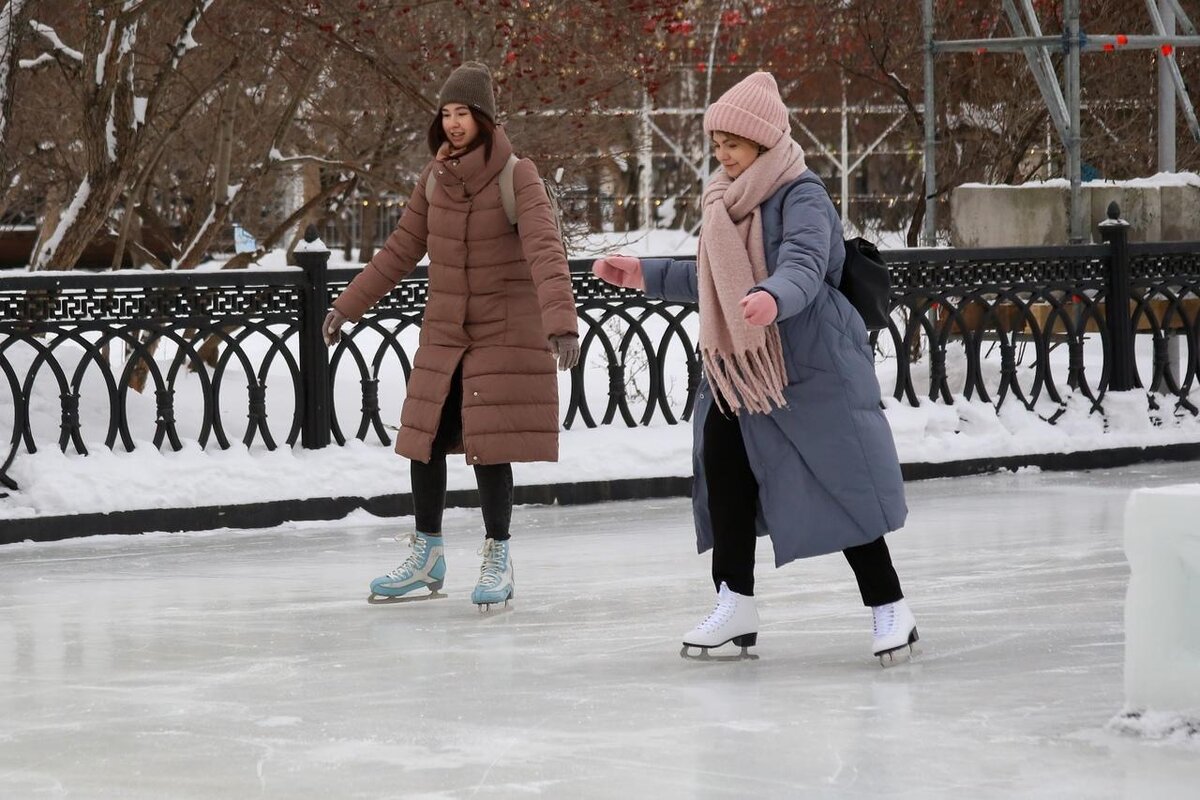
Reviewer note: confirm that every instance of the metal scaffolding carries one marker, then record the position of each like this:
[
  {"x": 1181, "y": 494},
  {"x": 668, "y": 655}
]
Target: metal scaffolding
[{"x": 1064, "y": 108}]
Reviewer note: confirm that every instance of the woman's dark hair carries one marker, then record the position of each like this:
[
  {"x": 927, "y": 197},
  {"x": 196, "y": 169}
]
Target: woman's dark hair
[
  {"x": 762, "y": 148},
  {"x": 487, "y": 130}
]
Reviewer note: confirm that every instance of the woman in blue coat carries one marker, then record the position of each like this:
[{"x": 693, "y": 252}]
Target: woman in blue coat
[{"x": 789, "y": 438}]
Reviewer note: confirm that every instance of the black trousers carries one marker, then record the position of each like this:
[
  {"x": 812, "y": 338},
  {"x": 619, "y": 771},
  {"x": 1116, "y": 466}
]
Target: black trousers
[
  {"x": 495, "y": 481},
  {"x": 733, "y": 502}
]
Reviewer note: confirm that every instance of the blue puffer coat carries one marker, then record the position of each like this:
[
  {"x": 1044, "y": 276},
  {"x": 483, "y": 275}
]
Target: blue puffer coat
[{"x": 826, "y": 464}]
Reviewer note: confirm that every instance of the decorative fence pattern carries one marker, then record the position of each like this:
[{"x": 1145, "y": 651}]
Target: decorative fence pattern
[{"x": 211, "y": 348}]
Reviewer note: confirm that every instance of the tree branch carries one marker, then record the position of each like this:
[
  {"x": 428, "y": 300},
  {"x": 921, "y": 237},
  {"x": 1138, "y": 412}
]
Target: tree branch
[
  {"x": 406, "y": 87},
  {"x": 141, "y": 250},
  {"x": 183, "y": 43},
  {"x": 70, "y": 58}
]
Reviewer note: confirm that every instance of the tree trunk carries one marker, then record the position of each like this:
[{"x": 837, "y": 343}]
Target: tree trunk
[
  {"x": 224, "y": 154},
  {"x": 628, "y": 212},
  {"x": 111, "y": 133},
  {"x": 368, "y": 229},
  {"x": 912, "y": 238},
  {"x": 310, "y": 212},
  {"x": 83, "y": 218},
  {"x": 14, "y": 27},
  {"x": 595, "y": 214},
  {"x": 222, "y": 197},
  {"x": 51, "y": 213},
  {"x": 127, "y": 217},
  {"x": 108, "y": 139},
  {"x": 343, "y": 224}
]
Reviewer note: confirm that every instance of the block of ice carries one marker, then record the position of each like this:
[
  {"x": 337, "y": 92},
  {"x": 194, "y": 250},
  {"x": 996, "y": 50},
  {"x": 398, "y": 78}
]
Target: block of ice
[{"x": 1162, "y": 606}]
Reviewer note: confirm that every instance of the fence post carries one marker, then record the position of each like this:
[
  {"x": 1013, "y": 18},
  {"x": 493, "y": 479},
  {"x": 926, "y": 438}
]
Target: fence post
[
  {"x": 1118, "y": 320},
  {"x": 313, "y": 257}
]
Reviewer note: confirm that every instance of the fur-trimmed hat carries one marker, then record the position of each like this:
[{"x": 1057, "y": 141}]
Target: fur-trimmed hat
[
  {"x": 751, "y": 109},
  {"x": 471, "y": 85}
]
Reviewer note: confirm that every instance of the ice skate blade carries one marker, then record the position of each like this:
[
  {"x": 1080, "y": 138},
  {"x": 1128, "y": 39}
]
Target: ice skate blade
[
  {"x": 493, "y": 609},
  {"x": 894, "y": 658},
  {"x": 387, "y": 600},
  {"x": 703, "y": 655},
  {"x": 899, "y": 655}
]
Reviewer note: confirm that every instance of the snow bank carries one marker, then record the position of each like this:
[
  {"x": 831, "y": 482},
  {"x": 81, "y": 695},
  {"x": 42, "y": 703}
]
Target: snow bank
[
  {"x": 1157, "y": 180},
  {"x": 54, "y": 483}
]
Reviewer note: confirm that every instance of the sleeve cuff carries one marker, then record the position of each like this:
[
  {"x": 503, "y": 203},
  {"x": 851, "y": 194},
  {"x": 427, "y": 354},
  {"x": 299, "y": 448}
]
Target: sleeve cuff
[{"x": 766, "y": 289}]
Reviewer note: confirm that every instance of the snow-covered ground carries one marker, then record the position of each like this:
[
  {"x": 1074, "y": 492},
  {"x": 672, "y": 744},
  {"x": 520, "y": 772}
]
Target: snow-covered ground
[
  {"x": 247, "y": 663},
  {"x": 54, "y": 483}
]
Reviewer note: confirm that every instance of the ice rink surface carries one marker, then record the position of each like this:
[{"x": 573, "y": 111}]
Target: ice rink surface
[{"x": 247, "y": 664}]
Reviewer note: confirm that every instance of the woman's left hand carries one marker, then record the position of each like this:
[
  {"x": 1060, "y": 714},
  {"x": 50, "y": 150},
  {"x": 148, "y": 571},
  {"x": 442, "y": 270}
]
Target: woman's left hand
[
  {"x": 759, "y": 308},
  {"x": 331, "y": 329},
  {"x": 566, "y": 350}
]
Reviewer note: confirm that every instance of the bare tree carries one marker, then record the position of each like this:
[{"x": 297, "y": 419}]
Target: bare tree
[
  {"x": 113, "y": 114},
  {"x": 14, "y": 28},
  {"x": 162, "y": 144}
]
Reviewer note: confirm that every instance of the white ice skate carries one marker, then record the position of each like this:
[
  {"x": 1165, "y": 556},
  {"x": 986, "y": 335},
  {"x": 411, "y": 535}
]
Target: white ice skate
[
  {"x": 425, "y": 567},
  {"x": 495, "y": 583},
  {"x": 735, "y": 619},
  {"x": 895, "y": 631}
]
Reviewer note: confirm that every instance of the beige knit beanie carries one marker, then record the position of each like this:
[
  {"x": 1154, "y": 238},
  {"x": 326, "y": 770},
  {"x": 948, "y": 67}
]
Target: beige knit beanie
[
  {"x": 751, "y": 109},
  {"x": 471, "y": 85}
]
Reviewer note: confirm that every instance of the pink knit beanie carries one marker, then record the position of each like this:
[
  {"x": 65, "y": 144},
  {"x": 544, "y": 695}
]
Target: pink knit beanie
[{"x": 751, "y": 109}]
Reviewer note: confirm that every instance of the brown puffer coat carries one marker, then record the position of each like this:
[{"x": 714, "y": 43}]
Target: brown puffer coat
[{"x": 494, "y": 299}]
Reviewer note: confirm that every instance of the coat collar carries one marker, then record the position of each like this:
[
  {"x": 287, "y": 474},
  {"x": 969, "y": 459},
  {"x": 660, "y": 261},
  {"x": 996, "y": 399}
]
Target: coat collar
[{"x": 465, "y": 176}]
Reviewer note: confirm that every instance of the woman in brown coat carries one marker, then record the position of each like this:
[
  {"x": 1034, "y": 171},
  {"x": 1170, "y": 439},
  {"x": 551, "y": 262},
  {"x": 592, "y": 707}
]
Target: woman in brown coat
[{"x": 499, "y": 312}]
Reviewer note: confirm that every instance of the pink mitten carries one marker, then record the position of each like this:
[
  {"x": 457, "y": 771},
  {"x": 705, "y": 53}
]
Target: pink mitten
[
  {"x": 623, "y": 271},
  {"x": 759, "y": 308}
]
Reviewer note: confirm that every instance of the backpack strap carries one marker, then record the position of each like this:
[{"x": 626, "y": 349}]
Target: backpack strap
[
  {"x": 508, "y": 194},
  {"x": 811, "y": 177}
]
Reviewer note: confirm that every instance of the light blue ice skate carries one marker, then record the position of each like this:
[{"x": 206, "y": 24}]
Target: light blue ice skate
[
  {"x": 424, "y": 567},
  {"x": 495, "y": 576}
]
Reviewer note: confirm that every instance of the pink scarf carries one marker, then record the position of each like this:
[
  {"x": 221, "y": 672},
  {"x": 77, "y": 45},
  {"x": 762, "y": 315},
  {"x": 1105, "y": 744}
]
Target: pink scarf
[{"x": 744, "y": 363}]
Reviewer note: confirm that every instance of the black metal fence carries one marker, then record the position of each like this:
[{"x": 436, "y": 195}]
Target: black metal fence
[{"x": 163, "y": 358}]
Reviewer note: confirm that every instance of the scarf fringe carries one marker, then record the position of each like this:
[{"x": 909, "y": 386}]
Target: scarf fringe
[{"x": 750, "y": 379}]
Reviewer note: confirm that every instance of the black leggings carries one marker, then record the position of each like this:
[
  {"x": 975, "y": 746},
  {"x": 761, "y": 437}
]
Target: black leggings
[
  {"x": 495, "y": 481},
  {"x": 732, "y": 504}
]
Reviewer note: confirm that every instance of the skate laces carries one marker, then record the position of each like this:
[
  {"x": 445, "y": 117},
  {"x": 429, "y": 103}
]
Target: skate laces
[
  {"x": 720, "y": 615},
  {"x": 883, "y": 619},
  {"x": 419, "y": 545},
  {"x": 491, "y": 571}
]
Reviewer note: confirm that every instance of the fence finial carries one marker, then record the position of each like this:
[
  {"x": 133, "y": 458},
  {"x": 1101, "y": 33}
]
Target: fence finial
[
  {"x": 1114, "y": 210},
  {"x": 310, "y": 233}
]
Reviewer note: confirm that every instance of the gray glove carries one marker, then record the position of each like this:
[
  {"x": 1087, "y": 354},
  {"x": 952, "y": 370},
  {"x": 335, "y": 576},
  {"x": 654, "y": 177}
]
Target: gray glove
[
  {"x": 566, "y": 350},
  {"x": 331, "y": 329}
]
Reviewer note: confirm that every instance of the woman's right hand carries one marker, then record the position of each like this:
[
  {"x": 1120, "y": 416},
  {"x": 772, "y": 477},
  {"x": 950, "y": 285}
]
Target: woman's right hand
[
  {"x": 619, "y": 270},
  {"x": 332, "y": 327}
]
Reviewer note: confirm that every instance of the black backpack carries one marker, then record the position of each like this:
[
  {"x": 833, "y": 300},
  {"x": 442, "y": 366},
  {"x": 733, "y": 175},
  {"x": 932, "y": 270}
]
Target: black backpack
[{"x": 866, "y": 282}]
